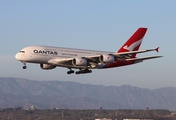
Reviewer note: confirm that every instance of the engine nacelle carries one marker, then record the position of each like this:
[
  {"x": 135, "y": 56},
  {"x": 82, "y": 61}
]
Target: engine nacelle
[
  {"x": 106, "y": 58},
  {"x": 79, "y": 62},
  {"x": 47, "y": 66}
]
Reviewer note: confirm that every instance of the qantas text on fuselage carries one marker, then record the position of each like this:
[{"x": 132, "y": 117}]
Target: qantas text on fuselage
[
  {"x": 45, "y": 52},
  {"x": 84, "y": 60}
]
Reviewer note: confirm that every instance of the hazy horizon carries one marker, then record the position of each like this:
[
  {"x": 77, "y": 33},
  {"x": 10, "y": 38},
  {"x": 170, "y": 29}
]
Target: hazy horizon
[{"x": 86, "y": 83}]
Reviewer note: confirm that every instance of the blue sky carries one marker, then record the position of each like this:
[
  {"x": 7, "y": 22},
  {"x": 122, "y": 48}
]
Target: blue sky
[{"x": 98, "y": 25}]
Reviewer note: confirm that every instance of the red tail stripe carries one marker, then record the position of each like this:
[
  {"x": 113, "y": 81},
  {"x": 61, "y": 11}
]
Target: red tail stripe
[{"x": 138, "y": 35}]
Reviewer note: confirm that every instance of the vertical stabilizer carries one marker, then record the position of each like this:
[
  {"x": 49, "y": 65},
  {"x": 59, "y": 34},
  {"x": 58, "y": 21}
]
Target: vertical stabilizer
[{"x": 134, "y": 42}]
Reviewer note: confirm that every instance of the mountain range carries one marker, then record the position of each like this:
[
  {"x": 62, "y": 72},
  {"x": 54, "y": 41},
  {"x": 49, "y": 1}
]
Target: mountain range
[{"x": 72, "y": 95}]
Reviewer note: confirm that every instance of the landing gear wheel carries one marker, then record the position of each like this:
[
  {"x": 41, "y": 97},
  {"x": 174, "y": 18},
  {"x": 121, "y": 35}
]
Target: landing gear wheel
[
  {"x": 78, "y": 72},
  {"x": 70, "y": 72},
  {"x": 83, "y": 71},
  {"x": 24, "y": 67}
]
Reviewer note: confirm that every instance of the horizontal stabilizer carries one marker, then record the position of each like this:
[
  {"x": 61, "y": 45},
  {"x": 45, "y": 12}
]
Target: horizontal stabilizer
[{"x": 144, "y": 58}]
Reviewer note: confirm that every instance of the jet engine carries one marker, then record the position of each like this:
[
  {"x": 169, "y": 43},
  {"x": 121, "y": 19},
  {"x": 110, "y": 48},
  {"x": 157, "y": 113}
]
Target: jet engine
[
  {"x": 79, "y": 62},
  {"x": 106, "y": 58},
  {"x": 47, "y": 66}
]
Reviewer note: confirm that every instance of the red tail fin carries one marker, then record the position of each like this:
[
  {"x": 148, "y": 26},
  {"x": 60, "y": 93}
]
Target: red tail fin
[{"x": 134, "y": 42}]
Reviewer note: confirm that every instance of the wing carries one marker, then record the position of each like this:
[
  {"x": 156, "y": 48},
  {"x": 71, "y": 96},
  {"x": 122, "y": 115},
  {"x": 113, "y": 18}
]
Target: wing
[
  {"x": 97, "y": 61},
  {"x": 71, "y": 62},
  {"x": 63, "y": 62},
  {"x": 135, "y": 52}
]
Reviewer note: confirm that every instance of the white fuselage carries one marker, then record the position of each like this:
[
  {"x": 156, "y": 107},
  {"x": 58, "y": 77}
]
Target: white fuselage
[{"x": 42, "y": 54}]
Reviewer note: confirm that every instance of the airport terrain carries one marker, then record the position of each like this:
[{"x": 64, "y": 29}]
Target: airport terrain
[{"x": 70, "y": 114}]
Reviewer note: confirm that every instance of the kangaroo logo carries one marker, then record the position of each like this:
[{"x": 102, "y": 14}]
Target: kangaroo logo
[{"x": 132, "y": 46}]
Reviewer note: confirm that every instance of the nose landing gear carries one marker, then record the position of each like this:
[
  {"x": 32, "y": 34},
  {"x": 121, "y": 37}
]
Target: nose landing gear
[{"x": 24, "y": 67}]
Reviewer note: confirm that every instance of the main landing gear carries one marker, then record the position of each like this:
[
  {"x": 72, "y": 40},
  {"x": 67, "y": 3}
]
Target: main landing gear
[
  {"x": 81, "y": 71},
  {"x": 24, "y": 67},
  {"x": 70, "y": 71}
]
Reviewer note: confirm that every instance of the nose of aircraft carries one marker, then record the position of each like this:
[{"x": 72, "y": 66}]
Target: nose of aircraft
[{"x": 17, "y": 56}]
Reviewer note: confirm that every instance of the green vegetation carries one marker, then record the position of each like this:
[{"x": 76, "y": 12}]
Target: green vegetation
[{"x": 68, "y": 114}]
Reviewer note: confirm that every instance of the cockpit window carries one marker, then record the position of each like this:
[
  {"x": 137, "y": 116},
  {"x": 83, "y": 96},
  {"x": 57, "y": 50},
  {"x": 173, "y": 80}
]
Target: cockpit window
[{"x": 22, "y": 52}]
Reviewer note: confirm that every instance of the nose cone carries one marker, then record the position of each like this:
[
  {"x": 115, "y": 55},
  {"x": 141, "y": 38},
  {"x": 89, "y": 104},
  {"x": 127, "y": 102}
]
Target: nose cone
[{"x": 17, "y": 56}]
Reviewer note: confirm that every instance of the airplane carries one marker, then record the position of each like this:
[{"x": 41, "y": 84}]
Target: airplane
[{"x": 84, "y": 60}]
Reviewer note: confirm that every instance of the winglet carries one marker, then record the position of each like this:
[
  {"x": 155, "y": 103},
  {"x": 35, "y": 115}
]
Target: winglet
[{"x": 157, "y": 49}]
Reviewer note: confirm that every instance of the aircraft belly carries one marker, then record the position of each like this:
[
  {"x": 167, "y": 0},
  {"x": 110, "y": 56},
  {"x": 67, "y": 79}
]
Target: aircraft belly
[
  {"x": 71, "y": 66},
  {"x": 119, "y": 63}
]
